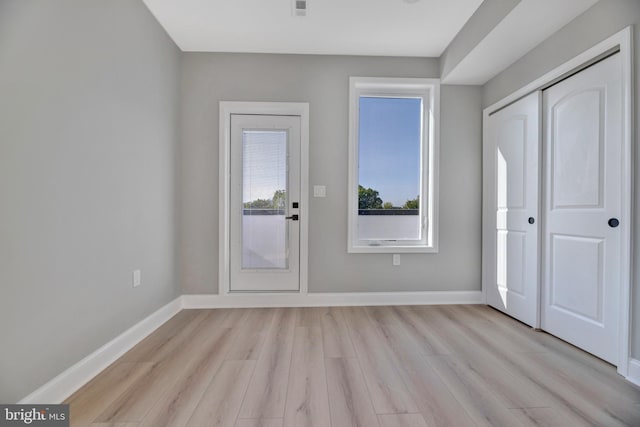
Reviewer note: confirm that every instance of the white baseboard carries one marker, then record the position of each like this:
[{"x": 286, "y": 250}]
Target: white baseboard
[
  {"x": 634, "y": 372},
  {"x": 246, "y": 300},
  {"x": 69, "y": 381},
  {"x": 65, "y": 384}
]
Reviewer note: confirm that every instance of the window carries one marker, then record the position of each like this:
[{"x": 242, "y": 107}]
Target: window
[{"x": 393, "y": 148}]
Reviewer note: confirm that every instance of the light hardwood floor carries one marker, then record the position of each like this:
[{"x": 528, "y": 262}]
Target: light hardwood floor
[{"x": 354, "y": 366}]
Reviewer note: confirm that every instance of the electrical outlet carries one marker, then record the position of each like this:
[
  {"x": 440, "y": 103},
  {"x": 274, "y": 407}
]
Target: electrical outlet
[
  {"x": 137, "y": 279},
  {"x": 396, "y": 259}
]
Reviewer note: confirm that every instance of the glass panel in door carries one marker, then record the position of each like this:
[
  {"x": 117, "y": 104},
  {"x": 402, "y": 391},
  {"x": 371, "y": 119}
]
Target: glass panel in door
[{"x": 264, "y": 200}]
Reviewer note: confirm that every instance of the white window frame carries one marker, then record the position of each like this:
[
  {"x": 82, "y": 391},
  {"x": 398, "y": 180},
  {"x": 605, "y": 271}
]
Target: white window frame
[{"x": 429, "y": 91}]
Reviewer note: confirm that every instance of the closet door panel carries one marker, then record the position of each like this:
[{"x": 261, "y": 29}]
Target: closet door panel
[
  {"x": 583, "y": 192},
  {"x": 511, "y": 154}
]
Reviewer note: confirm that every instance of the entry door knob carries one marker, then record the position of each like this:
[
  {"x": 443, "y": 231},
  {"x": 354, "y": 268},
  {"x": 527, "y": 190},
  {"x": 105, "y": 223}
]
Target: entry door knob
[
  {"x": 292, "y": 217},
  {"x": 613, "y": 222}
]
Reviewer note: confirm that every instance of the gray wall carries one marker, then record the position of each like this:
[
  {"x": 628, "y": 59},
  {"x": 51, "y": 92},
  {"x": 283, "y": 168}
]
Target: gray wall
[
  {"x": 488, "y": 15},
  {"x": 323, "y": 81},
  {"x": 602, "y": 20},
  {"x": 88, "y": 113}
]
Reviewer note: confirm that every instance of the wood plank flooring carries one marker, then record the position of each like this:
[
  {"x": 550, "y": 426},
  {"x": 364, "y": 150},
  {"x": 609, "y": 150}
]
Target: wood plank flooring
[{"x": 354, "y": 367}]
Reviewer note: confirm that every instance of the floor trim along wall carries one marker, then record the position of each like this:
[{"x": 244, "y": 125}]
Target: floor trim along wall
[
  {"x": 634, "y": 372},
  {"x": 69, "y": 381},
  {"x": 323, "y": 299},
  {"x": 65, "y": 384}
]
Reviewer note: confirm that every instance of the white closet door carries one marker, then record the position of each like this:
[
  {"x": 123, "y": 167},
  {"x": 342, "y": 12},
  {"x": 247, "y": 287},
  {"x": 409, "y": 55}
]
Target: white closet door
[
  {"x": 583, "y": 207},
  {"x": 511, "y": 209}
]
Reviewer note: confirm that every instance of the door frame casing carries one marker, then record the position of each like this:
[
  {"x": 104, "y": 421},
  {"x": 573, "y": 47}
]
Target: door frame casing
[
  {"x": 624, "y": 40},
  {"x": 227, "y": 109}
]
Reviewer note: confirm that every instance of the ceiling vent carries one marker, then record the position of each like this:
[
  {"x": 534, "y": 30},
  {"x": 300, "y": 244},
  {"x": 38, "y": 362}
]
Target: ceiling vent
[{"x": 300, "y": 7}]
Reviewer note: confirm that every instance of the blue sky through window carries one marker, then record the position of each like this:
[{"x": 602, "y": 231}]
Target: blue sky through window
[{"x": 389, "y": 147}]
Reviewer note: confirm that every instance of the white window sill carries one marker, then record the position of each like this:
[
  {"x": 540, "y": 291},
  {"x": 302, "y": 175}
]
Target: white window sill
[{"x": 388, "y": 249}]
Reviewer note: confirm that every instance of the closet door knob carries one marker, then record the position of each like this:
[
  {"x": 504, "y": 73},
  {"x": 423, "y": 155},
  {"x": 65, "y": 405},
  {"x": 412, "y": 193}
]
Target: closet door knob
[
  {"x": 613, "y": 222},
  {"x": 531, "y": 220}
]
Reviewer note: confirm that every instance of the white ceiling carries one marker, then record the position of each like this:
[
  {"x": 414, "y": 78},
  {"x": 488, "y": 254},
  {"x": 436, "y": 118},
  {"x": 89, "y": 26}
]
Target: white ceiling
[
  {"x": 422, "y": 28},
  {"x": 339, "y": 27}
]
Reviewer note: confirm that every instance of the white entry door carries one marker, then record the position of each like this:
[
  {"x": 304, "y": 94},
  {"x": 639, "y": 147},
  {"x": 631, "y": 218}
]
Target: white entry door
[
  {"x": 264, "y": 203},
  {"x": 583, "y": 204},
  {"x": 511, "y": 163}
]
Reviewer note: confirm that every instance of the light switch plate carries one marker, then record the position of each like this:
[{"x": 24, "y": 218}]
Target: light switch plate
[
  {"x": 396, "y": 259},
  {"x": 319, "y": 191}
]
